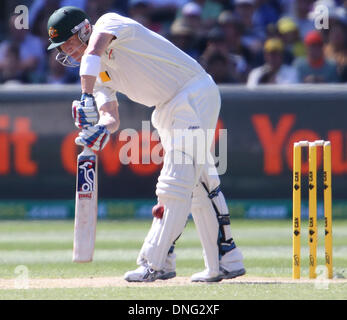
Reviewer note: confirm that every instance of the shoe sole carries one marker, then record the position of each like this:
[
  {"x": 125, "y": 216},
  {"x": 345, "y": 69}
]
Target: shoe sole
[
  {"x": 129, "y": 280},
  {"x": 229, "y": 275},
  {"x": 166, "y": 276},
  {"x": 214, "y": 279},
  {"x": 234, "y": 274}
]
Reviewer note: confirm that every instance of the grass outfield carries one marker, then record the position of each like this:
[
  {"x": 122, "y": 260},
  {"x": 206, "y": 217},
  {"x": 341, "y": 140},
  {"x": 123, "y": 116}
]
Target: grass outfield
[{"x": 43, "y": 250}]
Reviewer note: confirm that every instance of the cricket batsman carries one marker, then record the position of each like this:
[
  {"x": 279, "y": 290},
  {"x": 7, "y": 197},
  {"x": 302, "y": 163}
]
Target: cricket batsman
[{"x": 119, "y": 54}]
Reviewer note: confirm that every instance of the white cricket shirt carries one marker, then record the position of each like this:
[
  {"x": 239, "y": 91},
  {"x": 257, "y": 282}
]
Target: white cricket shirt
[{"x": 140, "y": 63}]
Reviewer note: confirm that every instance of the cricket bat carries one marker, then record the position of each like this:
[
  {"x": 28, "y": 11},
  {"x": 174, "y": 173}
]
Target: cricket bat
[{"x": 86, "y": 206}]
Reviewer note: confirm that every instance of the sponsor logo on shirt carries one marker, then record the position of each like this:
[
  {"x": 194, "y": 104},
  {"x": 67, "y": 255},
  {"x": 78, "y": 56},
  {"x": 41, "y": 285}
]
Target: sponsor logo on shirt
[{"x": 109, "y": 53}]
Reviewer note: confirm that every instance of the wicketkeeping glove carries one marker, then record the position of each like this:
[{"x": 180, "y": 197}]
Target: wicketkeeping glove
[
  {"x": 84, "y": 112},
  {"x": 94, "y": 137}
]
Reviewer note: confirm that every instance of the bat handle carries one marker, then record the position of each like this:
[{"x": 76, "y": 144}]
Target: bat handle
[{"x": 87, "y": 152}]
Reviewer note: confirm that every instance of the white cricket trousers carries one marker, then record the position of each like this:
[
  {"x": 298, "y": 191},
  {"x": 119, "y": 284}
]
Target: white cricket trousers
[{"x": 195, "y": 108}]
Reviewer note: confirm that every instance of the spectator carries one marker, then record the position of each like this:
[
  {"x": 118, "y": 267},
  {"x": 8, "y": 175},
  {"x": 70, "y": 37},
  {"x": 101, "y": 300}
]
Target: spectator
[
  {"x": 31, "y": 54},
  {"x": 252, "y": 36},
  {"x": 8, "y": 66},
  {"x": 217, "y": 64},
  {"x": 183, "y": 36},
  {"x": 217, "y": 51},
  {"x": 39, "y": 12},
  {"x": 274, "y": 71},
  {"x": 300, "y": 16},
  {"x": 225, "y": 4},
  {"x": 209, "y": 12},
  {"x": 216, "y": 40},
  {"x": 3, "y": 18},
  {"x": 96, "y": 8},
  {"x": 57, "y": 73},
  {"x": 233, "y": 29},
  {"x": 266, "y": 13},
  {"x": 76, "y": 3},
  {"x": 315, "y": 68},
  {"x": 287, "y": 7},
  {"x": 191, "y": 14},
  {"x": 157, "y": 15},
  {"x": 290, "y": 36},
  {"x": 168, "y": 4},
  {"x": 121, "y": 7},
  {"x": 336, "y": 48},
  {"x": 141, "y": 11}
]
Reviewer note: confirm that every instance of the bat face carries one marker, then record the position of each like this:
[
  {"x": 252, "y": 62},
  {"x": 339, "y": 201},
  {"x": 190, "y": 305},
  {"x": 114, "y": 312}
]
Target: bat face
[
  {"x": 86, "y": 206},
  {"x": 86, "y": 176}
]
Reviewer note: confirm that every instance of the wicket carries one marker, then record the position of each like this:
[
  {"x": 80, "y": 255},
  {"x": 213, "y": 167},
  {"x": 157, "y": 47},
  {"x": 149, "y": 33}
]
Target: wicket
[{"x": 312, "y": 194}]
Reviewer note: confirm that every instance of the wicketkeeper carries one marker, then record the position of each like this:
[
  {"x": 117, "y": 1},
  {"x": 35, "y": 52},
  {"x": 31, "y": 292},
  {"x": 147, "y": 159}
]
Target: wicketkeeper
[{"x": 119, "y": 54}]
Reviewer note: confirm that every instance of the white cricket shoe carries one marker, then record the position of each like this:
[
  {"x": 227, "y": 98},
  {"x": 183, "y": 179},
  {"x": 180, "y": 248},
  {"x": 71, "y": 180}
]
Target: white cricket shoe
[
  {"x": 145, "y": 274},
  {"x": 206, "y": 276},
  {"x": 231, "y": 265}
]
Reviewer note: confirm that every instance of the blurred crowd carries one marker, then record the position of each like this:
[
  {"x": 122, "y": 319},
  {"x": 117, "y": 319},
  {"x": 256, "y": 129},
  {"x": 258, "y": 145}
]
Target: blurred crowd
[{"x": 237, "y": 41}]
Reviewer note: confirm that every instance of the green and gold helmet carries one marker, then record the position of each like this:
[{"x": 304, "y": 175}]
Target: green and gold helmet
[{"x": 64, "y": 23}]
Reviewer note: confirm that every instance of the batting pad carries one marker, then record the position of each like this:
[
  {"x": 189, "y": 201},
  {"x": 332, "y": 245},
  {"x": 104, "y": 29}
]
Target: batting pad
[
  {"x": 170, "y": 260},
  {"x": 174, "y": 191},
  {"x": 207, "y": 226},
  {"x": 211, "y": 216}
]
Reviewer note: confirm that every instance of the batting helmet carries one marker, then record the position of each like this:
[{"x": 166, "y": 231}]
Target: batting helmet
[{"x": 64, "y": 23}]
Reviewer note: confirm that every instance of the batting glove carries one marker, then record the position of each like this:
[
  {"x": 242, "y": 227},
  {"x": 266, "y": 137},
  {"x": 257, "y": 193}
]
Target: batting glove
[
  {"x": 94, "y": 137},
  {"x": 84, "y": 112}
]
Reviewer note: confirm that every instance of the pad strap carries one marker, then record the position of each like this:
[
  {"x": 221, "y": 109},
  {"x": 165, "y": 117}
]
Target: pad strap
[{"x": 225, "y": 242}]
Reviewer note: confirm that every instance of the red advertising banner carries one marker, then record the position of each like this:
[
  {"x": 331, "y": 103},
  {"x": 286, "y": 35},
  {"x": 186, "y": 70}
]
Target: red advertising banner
[{"x": 38, "y": 153}]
